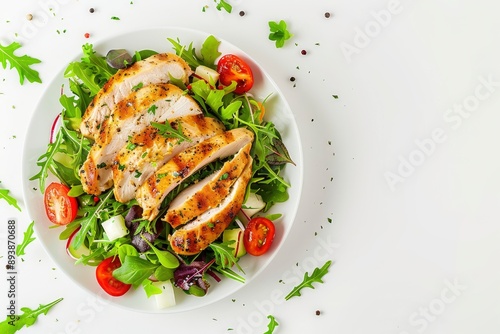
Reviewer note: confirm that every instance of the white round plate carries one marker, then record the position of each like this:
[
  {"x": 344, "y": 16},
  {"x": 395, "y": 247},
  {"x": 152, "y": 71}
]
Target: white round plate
[{"x": 277, "y": 111}]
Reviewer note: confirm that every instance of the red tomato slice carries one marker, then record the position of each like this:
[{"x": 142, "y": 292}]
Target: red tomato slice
[
  {"x": 233, "y": 68},
  {"x": 61, "y": 209},
  {"x": 258, "y": 236},
  {"x": 104, "y": 275}
]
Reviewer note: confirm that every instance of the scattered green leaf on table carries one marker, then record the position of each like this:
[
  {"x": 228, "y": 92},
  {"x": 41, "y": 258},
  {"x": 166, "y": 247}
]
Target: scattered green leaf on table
[
  {"x": 272, "y": 324},
  {"x": 223, "y": 5},
  {"x": 316, "y": 276},
  {"x": 28, "y": 318},
  {"x": 20, "y": 63},
  {"x": 27, "y": 239},
  {"x": 4, "y": 193},
  {"x": 279, "y": 33}
]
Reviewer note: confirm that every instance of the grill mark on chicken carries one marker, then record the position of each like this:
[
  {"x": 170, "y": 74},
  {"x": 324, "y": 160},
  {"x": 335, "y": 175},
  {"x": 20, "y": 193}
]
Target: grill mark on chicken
[
  {"x": 154, "y": 69},
  {"x": 209, "y": 192},
  {"x": 156, "y": 188},
  {"x": 195, "y": 236},
  {"x": 152, "y": 150},
  {"x": 132, "y": 116}
]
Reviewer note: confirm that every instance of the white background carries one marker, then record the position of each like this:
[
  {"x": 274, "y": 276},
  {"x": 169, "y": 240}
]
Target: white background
[{"x": 410, "y": 182}]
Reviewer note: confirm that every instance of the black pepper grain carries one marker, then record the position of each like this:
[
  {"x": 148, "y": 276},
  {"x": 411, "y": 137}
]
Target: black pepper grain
[
  {"x": 242, "y": 13},
  {"x": 292, "y": 79},
  {"x": 318, "y": 312},
  {"x": 91, "y": 10},
  {"x": 327, "y": 15}
]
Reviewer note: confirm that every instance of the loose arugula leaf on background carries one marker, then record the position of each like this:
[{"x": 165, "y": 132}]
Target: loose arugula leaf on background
[
  {"x": 4, "y": 194},
  {"x": 223, "y": 5},
  {"x": 279, "y": 33},
  {"x": 272, "y": 324},
  {"x": 316, "y": 276},
  {"x": 27, "y": 239},
  {"x": 20, "y": 63},
  {"x": 28, "y": 318}
]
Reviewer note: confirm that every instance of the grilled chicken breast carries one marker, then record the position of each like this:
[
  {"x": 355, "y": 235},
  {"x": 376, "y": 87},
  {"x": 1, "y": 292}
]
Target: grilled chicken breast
[
  {"x": 209, "y": 192},
  {"x": 152, "y": 103},
  {"x": 198, "y": 234},
  {"x": 152, "y": 192},
  {"x": 151, "y": 150},
  {"x": 155, "y": 69}
]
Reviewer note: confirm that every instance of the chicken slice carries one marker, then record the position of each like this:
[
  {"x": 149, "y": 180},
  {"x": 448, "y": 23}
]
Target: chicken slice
[
  {"x": 155, "y": 69},
  {"x": 152, "y": 192},
  {"x": 198, "y": 234},
  {"x": 152, "y": 103},
  {"x": 209, "y": 192},
  {"x": 152, "y": 150}
]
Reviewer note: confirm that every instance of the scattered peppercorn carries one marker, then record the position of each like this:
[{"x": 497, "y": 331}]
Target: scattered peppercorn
[
  {"x": 29, "y": 17},
  {"x": 303, "y": 52},
  {"x": 91, "y": 10},
  {"x": 327, "y": 15},
  {"x": 318, "y": 312},
  {"x": 292, "y": 79},
  {"x": 242, "y": 13},
  {"x": 87, "y": 35}
]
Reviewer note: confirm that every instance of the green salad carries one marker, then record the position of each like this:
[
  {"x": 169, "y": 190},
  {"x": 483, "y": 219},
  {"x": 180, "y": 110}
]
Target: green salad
[{"x": 127, "y": 250}]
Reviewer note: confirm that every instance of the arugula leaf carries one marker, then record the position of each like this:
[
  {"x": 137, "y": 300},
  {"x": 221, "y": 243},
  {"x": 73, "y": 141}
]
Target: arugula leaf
[
  {"x": 4, "y": 194},
  {"x": 316, "y": 276},
  {"x": 28, "y": 318},
  {"x": 21, "y": 64},
  {"x": 224, "y": 257},
  {"x": 272, "y": 324},
  {"x": 167, "y": 131},
  {"x": 223, "y": 5},
  {"x": 209, "y": 52},
  {"x": 93, "y": 70},
  {"x": 279, "y": 33},
  {"x": 27, "y": 239}
]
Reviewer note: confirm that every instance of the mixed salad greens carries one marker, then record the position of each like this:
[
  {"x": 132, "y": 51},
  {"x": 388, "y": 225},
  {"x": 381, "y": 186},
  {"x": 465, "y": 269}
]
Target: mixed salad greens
[{"x": 141, "y": 256}]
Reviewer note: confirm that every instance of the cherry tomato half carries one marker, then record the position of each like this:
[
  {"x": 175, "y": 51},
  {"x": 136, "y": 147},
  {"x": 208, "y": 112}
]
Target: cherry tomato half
[
  {"x": 104, "y": 275},
  {"x": 61, "y": 209},
  {"x": 233, "y": 68},
  {"x": 258, "y": 235}
]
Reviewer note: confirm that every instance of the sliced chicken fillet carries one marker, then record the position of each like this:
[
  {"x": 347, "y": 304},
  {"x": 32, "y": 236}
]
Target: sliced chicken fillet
[
  {"x": 152, "y": 103},
  {"x": 209, "y": 192},
  {"x": 155, "y": 69},
  {"x": 152, "y": 192},
  {"x": 197, "y": 235},
  {"x": 152, "y": 150}
]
